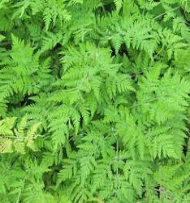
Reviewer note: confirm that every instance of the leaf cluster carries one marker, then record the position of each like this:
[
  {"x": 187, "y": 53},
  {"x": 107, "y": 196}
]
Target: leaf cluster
[{"x": 94, "y": 101}]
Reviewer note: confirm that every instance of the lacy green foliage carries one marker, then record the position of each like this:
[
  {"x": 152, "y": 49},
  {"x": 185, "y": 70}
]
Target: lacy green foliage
[
  {"x": 17, "y": 138},
  {"x": 94, "y": 101}
]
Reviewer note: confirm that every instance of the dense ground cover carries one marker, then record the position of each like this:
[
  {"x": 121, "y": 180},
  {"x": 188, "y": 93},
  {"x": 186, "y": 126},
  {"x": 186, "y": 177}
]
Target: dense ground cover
[{"x": 94, "y": 101}]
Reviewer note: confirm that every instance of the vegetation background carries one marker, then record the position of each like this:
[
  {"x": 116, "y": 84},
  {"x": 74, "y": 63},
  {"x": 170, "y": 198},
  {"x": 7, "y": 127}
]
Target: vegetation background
[{"x": 94, "y": 101}]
